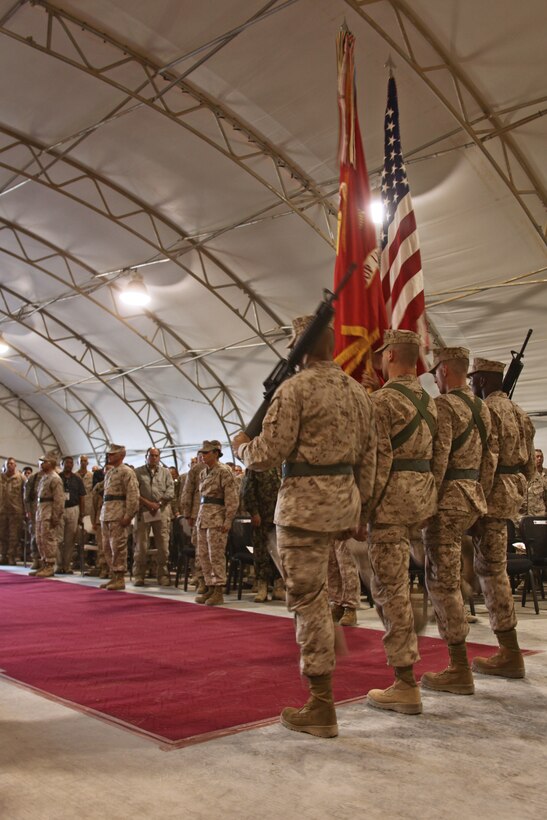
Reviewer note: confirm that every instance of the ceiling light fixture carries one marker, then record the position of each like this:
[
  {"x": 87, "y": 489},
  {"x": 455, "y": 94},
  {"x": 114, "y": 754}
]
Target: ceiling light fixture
[
  {"x": 377, "y": 211},
  {"x": 135, "y": 293},
  {"x": 4, "y": 346}
]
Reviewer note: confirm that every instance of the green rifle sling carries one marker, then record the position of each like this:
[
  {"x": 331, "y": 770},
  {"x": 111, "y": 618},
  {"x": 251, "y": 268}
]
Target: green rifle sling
[
  {"x": 475, "y": 421},
  {"x": 423, "y": 413}
]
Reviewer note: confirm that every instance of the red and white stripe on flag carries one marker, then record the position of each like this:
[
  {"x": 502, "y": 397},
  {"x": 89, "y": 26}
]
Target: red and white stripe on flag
[{"x": 400, "y": 260}]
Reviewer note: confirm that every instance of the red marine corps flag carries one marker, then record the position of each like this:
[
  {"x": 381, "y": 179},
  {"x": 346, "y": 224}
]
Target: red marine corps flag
[
  {"x": 360, "y": 314},
  {"x": 400, "y": 263}
]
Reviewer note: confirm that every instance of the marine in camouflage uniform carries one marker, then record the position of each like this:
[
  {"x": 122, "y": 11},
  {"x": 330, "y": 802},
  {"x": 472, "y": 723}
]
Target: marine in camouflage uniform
[
  {"x": 259, "y": 497},
  {"x": 30, "y": 503},
  {"x": 156, "y": 493},
  {"x": 120, "y": 504},
  {"x": 49, "y": 515},
  {"x": 218, "y": 504},
  {"x": 11, "y": 512},
  {"x": 512, "y": 465},
  {"x": 97, "y": 493},
  {"x": 535, "y": 501},
  {"x": 189, "y": 509},
  {"x": 404, "y": 497},
  {"x": 459, "y": 450},
  {"x": 320, "y": 427}
]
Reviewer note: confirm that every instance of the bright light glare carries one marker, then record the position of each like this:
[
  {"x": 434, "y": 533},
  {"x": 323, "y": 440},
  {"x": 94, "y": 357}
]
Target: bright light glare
[
  {"x": 134, "y": 297},
  {"x": 4, "y": 348},
  {"x": 377, "y": 211}
]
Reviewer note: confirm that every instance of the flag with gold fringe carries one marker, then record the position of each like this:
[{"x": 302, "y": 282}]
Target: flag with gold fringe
[{"x": 360, "y": 314}]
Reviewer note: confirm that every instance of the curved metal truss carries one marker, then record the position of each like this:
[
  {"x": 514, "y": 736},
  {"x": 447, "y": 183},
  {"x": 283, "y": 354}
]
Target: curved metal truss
[
  {"x": 29, "y": 418},
  {"x": 490, "y": 135},
  {"x": 43, "y": 381},
  {"x": 160, "y": 337},
  {"x": 140, "y": 220},
  {"x": 18, "y": 308},
  {"x": 74, "y": 41}
]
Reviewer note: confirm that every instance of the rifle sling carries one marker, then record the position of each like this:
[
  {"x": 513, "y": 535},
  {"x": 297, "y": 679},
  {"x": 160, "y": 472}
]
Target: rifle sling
[
  {"x": 423, "y": 414},
  {"x": 475, "y": 421}
]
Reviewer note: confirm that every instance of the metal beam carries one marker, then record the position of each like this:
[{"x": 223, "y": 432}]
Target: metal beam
[
  {"x": 415, "y": 33},
  {"x": 29, "y": 418},
  {"x": 291, "y": 186},
  {"x": 172, "y": 349},
  {"x": 91, "y": 359},
  {"x": 42, "y": 381},
  {"x": 141, "y": 220}
]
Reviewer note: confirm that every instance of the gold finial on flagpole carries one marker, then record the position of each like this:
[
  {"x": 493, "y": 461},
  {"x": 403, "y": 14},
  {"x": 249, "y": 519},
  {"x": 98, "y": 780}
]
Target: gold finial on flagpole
[{"x": 389, "y": 64}]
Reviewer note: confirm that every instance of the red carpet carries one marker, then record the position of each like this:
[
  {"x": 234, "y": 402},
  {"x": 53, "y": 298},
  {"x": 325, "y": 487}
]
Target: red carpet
[{"x": 171, "y": 670}]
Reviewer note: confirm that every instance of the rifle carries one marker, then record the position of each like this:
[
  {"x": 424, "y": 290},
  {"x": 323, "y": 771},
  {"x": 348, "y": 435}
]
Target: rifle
[
  {"x": 287, "y": 367},
  {"x": 515, "y": 368}
]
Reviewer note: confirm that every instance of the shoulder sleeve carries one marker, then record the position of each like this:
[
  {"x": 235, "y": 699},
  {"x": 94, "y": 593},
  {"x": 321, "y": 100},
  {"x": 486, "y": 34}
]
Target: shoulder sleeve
[{"x": 279, "y": 430}]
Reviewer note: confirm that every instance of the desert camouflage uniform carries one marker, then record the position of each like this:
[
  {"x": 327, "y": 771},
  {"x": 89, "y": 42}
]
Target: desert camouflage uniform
[
  {"x": 460, "y": 502},
  {"x": 11, "y": 516},
  {"x": 402, "y": 501},
  {"x": 30, "y": 503},
  {"x": 189, "y": 506},
  {"x": 319, "y": 417},
  {"x": 535, "y": 500},
  {"x": 96, "y": 506},
  {"x": 155, "y": 486},
  {"x": 214, "y": 521},
  {"x": 87, "y": 479},
  {"x": 259, "y": 496},
  {"x": 511, "y": 445},
  {"x": 343, "y": 577},
  {"x": 51, "y": 506},
  {"x": 121, "y": 482}
]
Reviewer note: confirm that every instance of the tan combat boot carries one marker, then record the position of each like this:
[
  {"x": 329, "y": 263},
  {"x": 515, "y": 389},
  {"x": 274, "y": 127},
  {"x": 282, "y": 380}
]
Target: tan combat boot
[
  {"x": 138, "y": 582},
  {"x": 456, "y": 678},
  {"x": 201, "y": 586},
  {"x": 507, "y": 662},
  {"x": 217, "y": 597},
  {"x": 318, "y": 716},
  {"x": 349, "y": 618},
  {"x": 402, "y": 696},
  {"x": 200, "y": 599},
  {"x": 279, "y": 593},
  {"x": 262, "y": 592},
  {"x": 117, "y": 582},
  {"x": 337, "y": 611},
  {"x": 36, "y": 564},
  {"x": 47, "y": 571}
]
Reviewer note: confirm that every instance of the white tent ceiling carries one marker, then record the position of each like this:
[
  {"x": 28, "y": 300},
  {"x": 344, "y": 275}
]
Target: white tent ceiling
[{"x": 198, "y": 140}]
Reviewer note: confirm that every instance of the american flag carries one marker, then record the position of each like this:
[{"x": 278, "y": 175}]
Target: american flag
[{"x": 400, "y": 261}]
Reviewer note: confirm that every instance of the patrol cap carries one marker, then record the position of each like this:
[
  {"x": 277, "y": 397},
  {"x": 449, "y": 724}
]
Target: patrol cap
[
  {"x": 486, "y": 366},
  {"x": 399, "y": 337},
  {"x": 447, "y": 354},
  {"x": 51, "y": 458},
  {"x": 299, "y": 325},
  {"x": 210, "y": 446},
  {"x": 114, "y": 449}
]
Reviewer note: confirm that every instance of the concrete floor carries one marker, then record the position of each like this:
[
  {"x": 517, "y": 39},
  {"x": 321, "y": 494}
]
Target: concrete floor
[{"x": 483, "y": 756}]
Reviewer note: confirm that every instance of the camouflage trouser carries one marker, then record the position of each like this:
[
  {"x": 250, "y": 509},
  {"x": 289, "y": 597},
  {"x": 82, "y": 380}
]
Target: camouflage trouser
[
  {"x": 47, "y": 538},
  {"x": 68, "y": 530},
  {"x": 11, "y": 531},
  {"x": 491, "y": 568},
  {"x": 304, "y": 557},
  {"x": 343, "y": 576},
  {"x": 443, "y": 561},
  {"x": 198, "y": 572},
  {"x": 389, "y": 558},
  {"x": 101, "y": 560},
  {"x": 160, "y": 531},
  {"x": 115, "y": 545},
  {"x": 212, "y": 555},
  {"x": 265, "y": 569}
]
